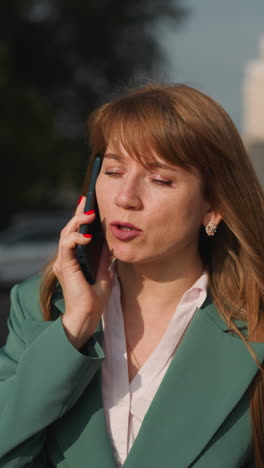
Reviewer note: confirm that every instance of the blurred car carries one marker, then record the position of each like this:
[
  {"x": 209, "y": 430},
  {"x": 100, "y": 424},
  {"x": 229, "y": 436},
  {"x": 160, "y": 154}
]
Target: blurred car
[{"x": 28, "y": 243}]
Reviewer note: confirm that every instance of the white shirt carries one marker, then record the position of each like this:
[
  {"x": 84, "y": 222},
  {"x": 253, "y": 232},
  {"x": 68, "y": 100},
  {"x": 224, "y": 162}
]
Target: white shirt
[{"x": 125, "y": 403}]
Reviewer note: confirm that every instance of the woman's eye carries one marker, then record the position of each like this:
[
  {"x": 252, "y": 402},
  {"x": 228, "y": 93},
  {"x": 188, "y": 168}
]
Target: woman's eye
[
  {"x": 117, "y": 173},
  {"x": 162, "y": 182},
  {"x": 112, "y": 173}
]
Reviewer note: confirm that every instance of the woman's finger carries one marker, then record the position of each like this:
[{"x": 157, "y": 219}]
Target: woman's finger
[
  {"x": 79, "y": 210},
  {"x": 66, "y": 253},
  {"x": 80, "y": 205},
  {"x": 75, "y": 222},
  {"x": 69, "y": 242}
]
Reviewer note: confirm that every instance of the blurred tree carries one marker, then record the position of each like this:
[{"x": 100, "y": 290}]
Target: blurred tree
[{"x": 58, "y": 60}]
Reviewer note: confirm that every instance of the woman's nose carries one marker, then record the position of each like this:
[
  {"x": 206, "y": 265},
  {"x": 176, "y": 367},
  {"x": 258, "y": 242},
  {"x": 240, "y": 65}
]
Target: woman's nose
[{"x": 128, "y": 196}]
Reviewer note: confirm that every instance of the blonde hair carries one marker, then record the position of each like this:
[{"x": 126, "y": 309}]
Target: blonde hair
[{"x": 186, "y": 127}]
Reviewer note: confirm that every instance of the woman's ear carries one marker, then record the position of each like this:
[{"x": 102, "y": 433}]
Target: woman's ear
[{"x": 212, "y": 216}]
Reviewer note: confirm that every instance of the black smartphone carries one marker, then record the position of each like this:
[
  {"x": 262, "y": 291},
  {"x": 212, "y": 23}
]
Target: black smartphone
[{"x": 89, "y": 255}]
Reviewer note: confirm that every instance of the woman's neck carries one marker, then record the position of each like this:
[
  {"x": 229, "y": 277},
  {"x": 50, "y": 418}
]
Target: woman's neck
[{"x": 146, "y": 285}]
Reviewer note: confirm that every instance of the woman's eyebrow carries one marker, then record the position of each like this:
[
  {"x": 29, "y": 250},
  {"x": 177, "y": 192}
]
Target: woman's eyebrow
[
  {"x": 150, "y": 164},
  {"x": 113, "y": 156},
  {"x": 160, "y": 165}
]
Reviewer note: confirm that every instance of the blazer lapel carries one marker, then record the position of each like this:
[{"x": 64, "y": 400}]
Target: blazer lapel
[{"x": 210, "y": 372}]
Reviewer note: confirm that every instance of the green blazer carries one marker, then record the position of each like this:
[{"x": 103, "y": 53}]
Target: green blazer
[{"x": 51, "y": 411}]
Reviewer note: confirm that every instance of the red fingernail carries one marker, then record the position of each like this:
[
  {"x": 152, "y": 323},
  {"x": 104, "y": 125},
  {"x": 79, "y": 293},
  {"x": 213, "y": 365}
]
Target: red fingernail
[
  {"x": 89, "y": 236},
  {"x": 89, "y": 212},
  {"x": 80, "y": 199}
]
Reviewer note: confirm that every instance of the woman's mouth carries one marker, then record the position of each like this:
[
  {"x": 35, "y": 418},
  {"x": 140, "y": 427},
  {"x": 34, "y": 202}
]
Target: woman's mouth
[{"x": 124, "y": 231}]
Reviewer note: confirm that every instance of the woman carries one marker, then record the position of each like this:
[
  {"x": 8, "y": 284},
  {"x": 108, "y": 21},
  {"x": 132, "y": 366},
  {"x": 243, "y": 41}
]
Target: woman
[{"x": 158, "y": 363}]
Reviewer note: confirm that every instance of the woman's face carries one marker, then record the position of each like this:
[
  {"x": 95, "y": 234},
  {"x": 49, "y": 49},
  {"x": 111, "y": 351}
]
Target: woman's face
[{"x": 149, "y": 214}]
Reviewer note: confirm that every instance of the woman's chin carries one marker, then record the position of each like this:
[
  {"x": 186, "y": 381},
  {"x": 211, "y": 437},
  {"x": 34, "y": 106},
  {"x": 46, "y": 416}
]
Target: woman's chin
[
  {"x": 125, "y": 258},
  {"x": 125, "y": 254}
]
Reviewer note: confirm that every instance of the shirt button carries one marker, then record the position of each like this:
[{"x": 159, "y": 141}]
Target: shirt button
[{"x": 122, "y": 402}]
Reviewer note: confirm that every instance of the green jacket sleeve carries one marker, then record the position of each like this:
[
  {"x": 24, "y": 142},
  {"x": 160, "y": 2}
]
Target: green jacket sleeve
[{"x": 41, "y": 376}]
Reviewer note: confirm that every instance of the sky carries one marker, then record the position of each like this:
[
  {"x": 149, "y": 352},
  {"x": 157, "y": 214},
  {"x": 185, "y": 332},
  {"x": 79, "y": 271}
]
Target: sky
[{"x": 212, "y": 48}]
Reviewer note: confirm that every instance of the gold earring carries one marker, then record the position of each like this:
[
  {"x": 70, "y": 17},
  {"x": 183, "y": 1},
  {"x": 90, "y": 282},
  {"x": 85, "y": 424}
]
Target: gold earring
[{"x": 211, "y": 229}]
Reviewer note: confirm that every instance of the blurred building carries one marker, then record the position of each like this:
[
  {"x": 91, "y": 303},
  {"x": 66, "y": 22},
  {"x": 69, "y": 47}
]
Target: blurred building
[{"x": 253, "y": 112}]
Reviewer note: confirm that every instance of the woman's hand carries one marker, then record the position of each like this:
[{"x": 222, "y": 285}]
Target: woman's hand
[{"x": 84, "y": 303}]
